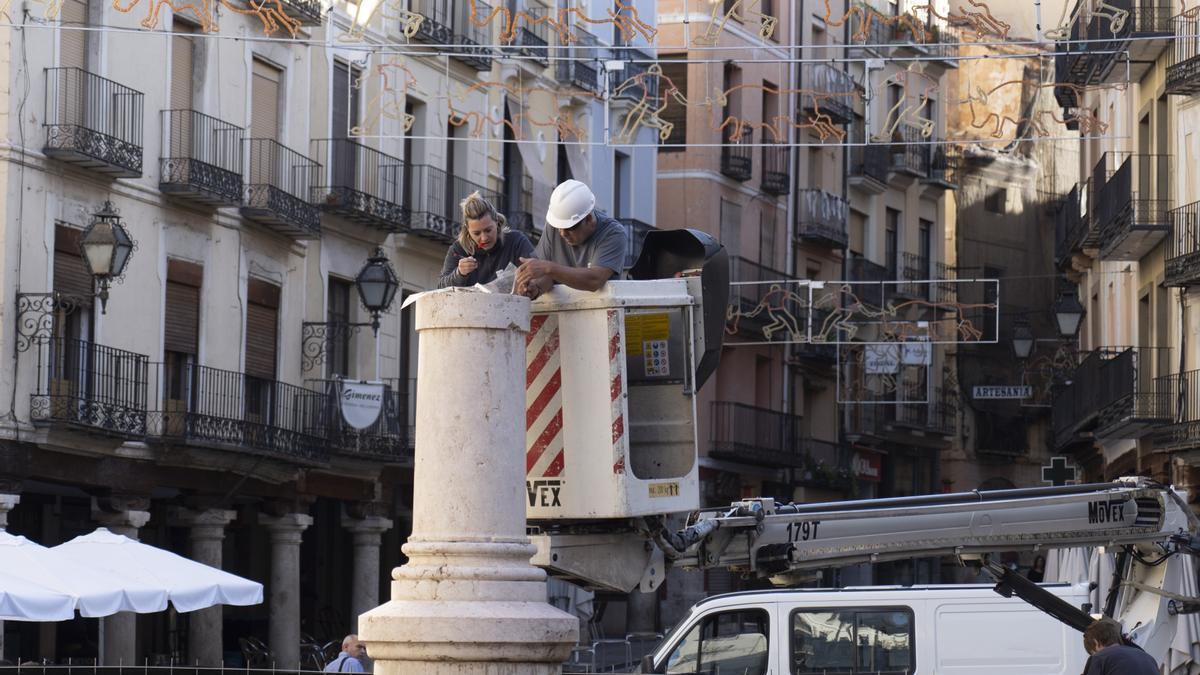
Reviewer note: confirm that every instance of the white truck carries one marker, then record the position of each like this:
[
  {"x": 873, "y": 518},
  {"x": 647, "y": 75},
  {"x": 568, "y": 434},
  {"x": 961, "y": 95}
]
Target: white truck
[{"x": 612, "y": 464}]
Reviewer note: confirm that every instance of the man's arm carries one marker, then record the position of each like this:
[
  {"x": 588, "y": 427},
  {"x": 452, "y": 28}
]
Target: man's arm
[{"x": 545, "y": 274}]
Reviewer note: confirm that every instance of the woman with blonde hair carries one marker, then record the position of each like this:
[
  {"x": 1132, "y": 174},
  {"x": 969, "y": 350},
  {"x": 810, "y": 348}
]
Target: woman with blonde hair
[{"x": 484, "y": 246}]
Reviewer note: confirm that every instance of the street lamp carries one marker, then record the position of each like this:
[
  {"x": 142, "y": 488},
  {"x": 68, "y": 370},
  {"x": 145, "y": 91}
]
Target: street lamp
[
  {"x": 1068, "y": 313},
  {"x": 1022, "y": 340},
  {"x": 377, "y": 285},
  {"x": 105, "y": 247}
]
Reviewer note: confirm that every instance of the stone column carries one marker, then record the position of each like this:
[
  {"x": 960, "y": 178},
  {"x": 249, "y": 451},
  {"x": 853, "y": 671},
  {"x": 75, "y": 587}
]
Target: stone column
[
  {"x": 119, "y": 644},
  {"x": 364, "y": 593},
  {"x": 284, "y": 627},
  {"x": 205, "y": 643},
  {"x": 468, "y": 602}
]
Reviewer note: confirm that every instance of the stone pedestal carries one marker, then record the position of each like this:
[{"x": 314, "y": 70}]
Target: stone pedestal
[
  {"x": 205, "y": 642},
  {"x": 284, "y": 627},
  {"x": 364, "y": 593},
  {"x": 469, "y": 602},
  {"x": 119, "y": 643}
]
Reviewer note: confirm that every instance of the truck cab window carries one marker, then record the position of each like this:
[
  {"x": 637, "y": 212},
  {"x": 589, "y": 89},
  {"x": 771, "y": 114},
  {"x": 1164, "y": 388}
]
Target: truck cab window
[
  {"x": 848, "y": 642},
  {"x": 726, "y": 642}
]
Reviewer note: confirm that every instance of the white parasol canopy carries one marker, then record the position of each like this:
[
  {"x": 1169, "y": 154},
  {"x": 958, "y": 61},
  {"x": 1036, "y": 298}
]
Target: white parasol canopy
[
  {"x": 94, "y": 592},
  {"x": 21, "y": 599},
  {"x": 189, "y": 585}
]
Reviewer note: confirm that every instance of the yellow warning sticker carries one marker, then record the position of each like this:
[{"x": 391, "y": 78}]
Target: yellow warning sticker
[
  {"x": 642, "y": 328},
  {"x": 664, "y": 489}
]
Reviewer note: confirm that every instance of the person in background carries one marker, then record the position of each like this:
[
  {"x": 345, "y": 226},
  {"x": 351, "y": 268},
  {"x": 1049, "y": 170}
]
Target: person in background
[
  {"x": 1109, "y": 656},
  {"x": 1037, "y": 573},
  {"x": 484, "y": 247},
  {"x": 588, "y": 250},
  {"x": 349, "y": 660}
]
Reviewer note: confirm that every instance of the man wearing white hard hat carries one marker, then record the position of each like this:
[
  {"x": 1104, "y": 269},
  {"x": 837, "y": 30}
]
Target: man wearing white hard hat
[{"x": 584, "y": 249}]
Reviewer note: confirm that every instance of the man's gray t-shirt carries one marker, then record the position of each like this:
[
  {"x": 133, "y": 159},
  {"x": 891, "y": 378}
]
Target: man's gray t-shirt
[{"x": 605, "y": 248}]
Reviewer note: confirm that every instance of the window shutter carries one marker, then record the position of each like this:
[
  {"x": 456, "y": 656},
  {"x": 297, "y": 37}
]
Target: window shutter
[
  {"x": 264, "y": 104},
  {"x": 262, "y": 328},
  {"x": 73, "y": 43},
  {"x": 182, "y": 66},
  {"x": 181, "y": 329},
  {"x": 71, "y": 275}
]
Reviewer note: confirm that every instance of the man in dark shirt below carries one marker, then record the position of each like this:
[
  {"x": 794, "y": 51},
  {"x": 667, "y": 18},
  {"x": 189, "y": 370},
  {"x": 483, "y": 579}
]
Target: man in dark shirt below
[
  {"x": 1109, "y": 656},
  {"x": 583, "y": 248}
]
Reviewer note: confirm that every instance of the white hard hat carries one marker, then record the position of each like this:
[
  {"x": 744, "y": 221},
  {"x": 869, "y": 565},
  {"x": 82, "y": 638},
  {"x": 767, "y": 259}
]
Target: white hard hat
[{"x": 570, "y": 203}]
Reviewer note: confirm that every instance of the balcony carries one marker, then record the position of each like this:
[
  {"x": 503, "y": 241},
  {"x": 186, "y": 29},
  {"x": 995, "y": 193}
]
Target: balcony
[
  {"x": 636, "y": 63},
  {"x": 635, "y": 236},
  {"x": 1133, "y": 218},
  {"x": 84, "y": 386},
  {"x": 389, "y": 439},
  {"x": 532, "y": 40},
  {"x": 1183, "y": 70},
  {"x": 827, "y": 92},
  {"x": 279, "y": 189},
  {"x": 1183, "y": 247},
  {"x": 871, "y": 32},
  {"x": 433, "y": 197},
  {"x": 776, "y": 172},
  {"x": 1181, "y": 428},
  {"x": 1135, "y": 405},
  {"x": 1069, "y": 228},
  {"x": 942, "y": 43},
  {"x": 360, "y": 184},
  {"x": 821, "y": 348},
  {"x": 868, "y": 163},
  {"x": 745, "y": 433},
  {"x": 307, "y": 12},
  {"x": 227, "y": 410},
  {"x": 1099, "y": 39},
  {"x": 447, "y": 24},
  {"x": 914, "y": 270},
  {"x": 943, "y": 167},
  {"x": 750, "y": 287},
  {"x": 581, "y": 66},
  {"x": 946, "y": 287},
  {"x": 202, "y": 158},
  {"x": 868, "y": 279},
  {"x": 909, "y": 158},
  {"x": 821, "y": 218},
  {"x": 736, "y": 160},
  {"x": 93, "y": 123},
  {"x": 1110, "y": 395}
]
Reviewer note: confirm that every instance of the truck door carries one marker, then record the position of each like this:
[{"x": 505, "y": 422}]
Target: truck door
[
  {"x": 726, "y": 640},
  {"x": 852, "y": 640}
]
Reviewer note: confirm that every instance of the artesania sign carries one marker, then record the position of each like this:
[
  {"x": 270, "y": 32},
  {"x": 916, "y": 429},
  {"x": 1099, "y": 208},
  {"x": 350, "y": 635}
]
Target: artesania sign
[
  {"x": 1004, "y": 391},
  {"x": 361, "y": 403}
]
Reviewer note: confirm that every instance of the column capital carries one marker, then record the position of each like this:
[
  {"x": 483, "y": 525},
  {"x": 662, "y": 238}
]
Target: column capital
[
  {"x": 370, "y": 525},
  {"x": 205, "y": 524},
  {"x": 286, "y": 529},
  {"x": 7, "y": 502},
  {"x": 126, "y": 522}
]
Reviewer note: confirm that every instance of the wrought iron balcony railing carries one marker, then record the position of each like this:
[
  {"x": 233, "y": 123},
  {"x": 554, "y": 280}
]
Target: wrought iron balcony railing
[
  {"x": 88, "y": 386},
  {"x": 636, "y": 63},
  {"x": 914, "y": 269},
  {"x": 908, "y": 152},
  {"x": 776, "y": 171},
  {"x": 580, "y": 66},
  {"x": 943, "y": 166},
  {"x": 532, "y": 38},
  {"x": 279, "y": 187},
  {"x": 869, "y": 279},
  {"x": 360, "y": 183},
  {"x": 201, "y": 158},
  {"x": 1115, "y": 41},
  {"x": 1182, "y": 254},
  {"x": 869, "y": 165},
  {"x": 389, "y": 439},
  {"x": 93, "y": 122},
  {"x": 234, "y": 411},
  {"x": 1183, "y": 70},
  {"x": 752, "y": 284},
  {"x": 432, "y": 215},
  {"x": 437, "y": 23},
  {"x": 1181, "y": 428},
  {"x": 1110, "y": 394},
  {"x": 827, "y": 91},
  {"x": 736, "y": 160},
  {"x": 635, "y": 233},
  {"x": 1068, "y": 228},
  {"x": 872, "y": 31},
  {"x": 822, "y": 348},
  {"x": 821, "y": 218},
  {"x": 1133, "y": 209},
  {"x": 471, "y": 33},
  {"x": 746, "y": 433}
]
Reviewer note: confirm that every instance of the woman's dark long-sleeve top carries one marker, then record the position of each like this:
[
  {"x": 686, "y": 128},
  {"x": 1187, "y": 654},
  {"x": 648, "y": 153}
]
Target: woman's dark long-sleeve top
[{"x": 510, "y": 249}]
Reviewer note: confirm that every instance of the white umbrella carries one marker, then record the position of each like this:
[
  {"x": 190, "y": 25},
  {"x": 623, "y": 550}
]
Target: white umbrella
[
  {"x": 189, "y": 584},
  {"x": 23, "y": 600},
  {"x": 97, "y": 592}
]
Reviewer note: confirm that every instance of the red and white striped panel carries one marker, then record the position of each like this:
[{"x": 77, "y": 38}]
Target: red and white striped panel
[
  {"x": 543, "y": 398},
  {"x": 616, "y": 357}
]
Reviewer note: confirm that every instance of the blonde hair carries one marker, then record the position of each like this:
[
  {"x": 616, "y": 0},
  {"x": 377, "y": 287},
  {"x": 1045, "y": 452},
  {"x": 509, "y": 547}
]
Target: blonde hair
[{"x": 475, "y": 207}]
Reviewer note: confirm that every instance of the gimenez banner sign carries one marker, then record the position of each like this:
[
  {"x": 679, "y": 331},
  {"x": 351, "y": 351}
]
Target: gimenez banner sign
[{"x": 361, "y": 403}]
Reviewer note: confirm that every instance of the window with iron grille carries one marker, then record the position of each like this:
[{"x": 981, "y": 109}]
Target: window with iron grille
[{"x": 338, "y": 314}]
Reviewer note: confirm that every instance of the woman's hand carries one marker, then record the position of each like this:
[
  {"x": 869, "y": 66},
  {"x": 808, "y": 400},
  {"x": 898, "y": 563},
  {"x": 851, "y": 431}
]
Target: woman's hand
[{"x": 467, "y": 265}]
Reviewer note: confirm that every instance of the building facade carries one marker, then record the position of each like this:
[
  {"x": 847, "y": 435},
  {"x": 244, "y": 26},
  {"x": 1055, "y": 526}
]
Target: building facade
[{"x": 197, "y": 408}]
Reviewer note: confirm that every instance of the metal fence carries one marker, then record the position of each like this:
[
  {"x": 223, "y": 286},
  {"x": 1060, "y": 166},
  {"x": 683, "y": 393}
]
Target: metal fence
[
  {"x": 200, "y": 152},
  {"x": 360, "y": 182},
  {"x": 90, "y": 385},
  {"x": 94, "y": 117},
  {"x": 279, "y": 183}
]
